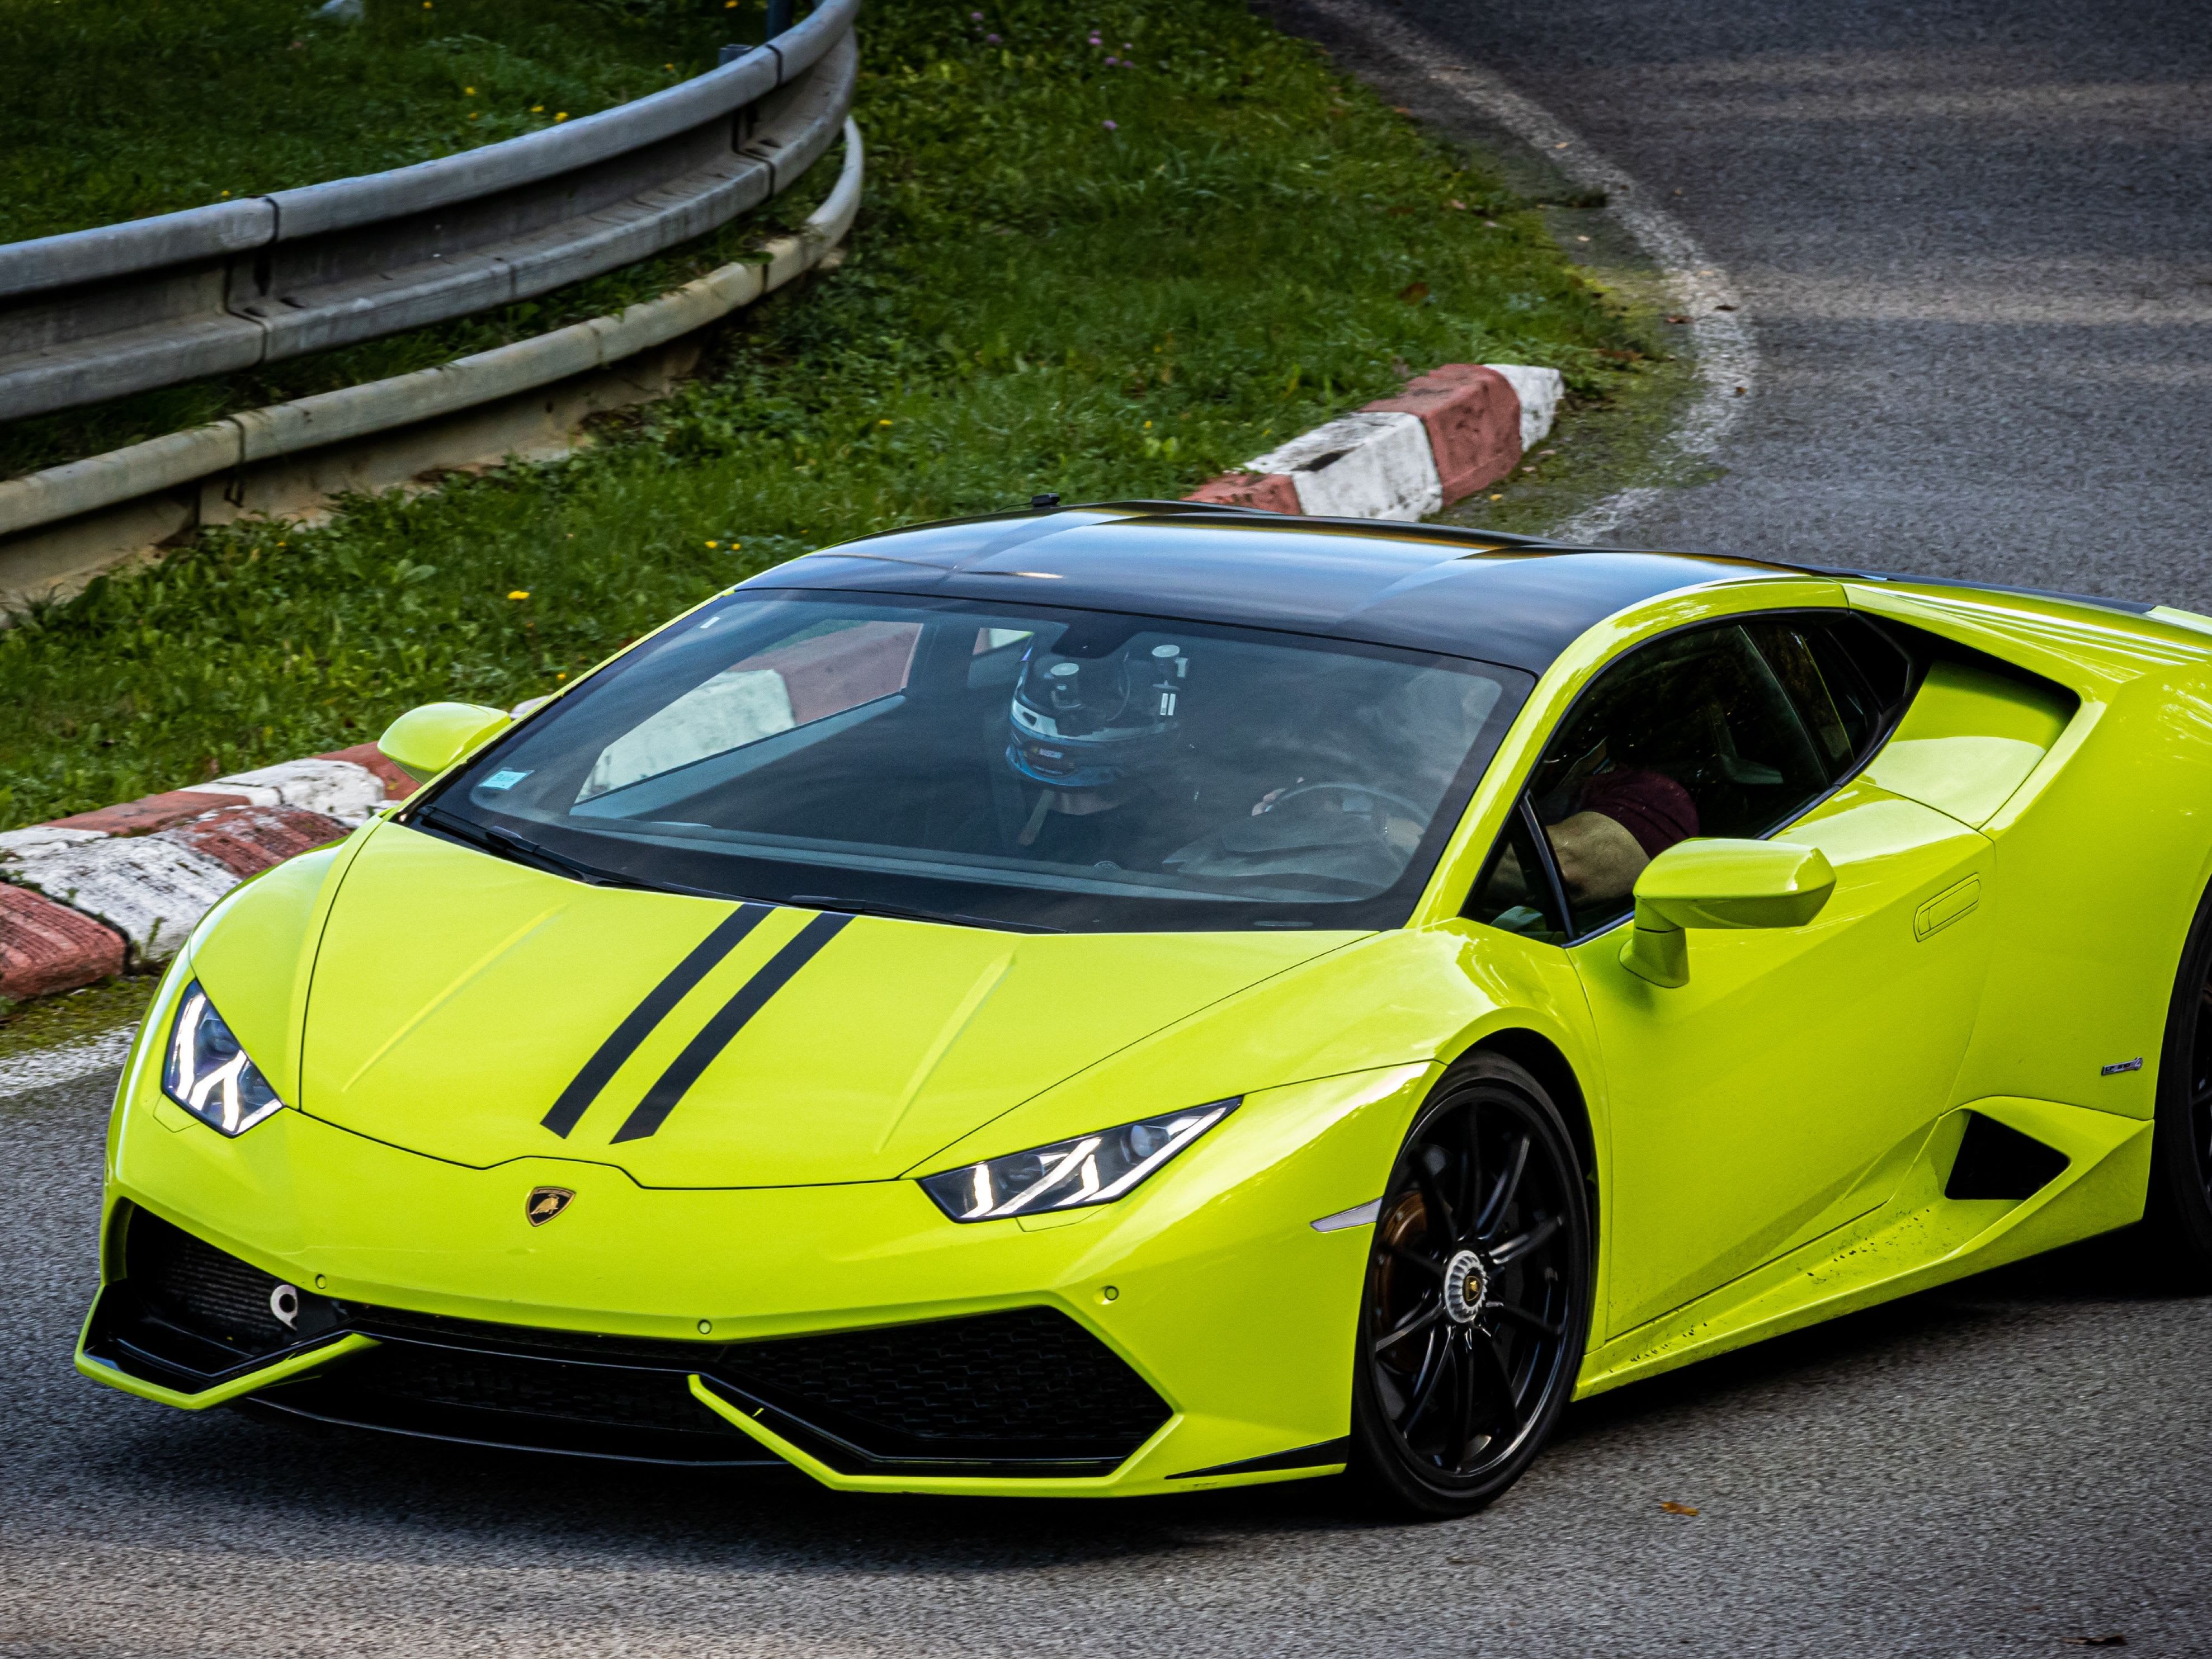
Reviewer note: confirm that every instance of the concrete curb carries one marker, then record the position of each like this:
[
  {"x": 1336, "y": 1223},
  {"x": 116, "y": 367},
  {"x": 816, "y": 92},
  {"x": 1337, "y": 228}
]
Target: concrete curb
[
  {"x": 1449, "y": 434},
  {"x": 100, "y": 892},
  {"x": 46, "y": 1068}
]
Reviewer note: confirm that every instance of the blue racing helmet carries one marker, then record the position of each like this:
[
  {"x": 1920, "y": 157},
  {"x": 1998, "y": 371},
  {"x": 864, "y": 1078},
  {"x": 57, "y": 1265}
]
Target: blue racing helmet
[{"x": 1082, "y": 723}]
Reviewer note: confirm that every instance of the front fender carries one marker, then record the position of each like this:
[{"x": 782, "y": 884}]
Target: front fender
[{"x": 1418, "y": 997}]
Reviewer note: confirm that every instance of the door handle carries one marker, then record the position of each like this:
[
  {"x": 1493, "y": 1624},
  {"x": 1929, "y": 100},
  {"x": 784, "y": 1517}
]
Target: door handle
[{"x": 1954, "y": 904}]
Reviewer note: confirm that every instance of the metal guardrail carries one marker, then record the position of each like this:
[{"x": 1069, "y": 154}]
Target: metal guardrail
[
  {"x": 100, "y": 314},
  {"x": 377, "y": 407}
]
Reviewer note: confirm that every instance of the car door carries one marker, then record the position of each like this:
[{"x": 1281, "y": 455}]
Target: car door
[{"x": 1783, "y": 1089}]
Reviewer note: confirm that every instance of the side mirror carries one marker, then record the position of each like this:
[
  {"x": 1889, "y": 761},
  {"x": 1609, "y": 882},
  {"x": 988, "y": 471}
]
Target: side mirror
[
  {"x": 1720, "y": 884},
  {"x": 424, "y": 742}
]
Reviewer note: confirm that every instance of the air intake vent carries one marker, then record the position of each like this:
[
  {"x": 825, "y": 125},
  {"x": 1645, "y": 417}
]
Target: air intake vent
[
  {"x": 1029, "y": 1385},
  {"x": 520, "y": 1401},
  {"x": 189, "y": 1284},
  {"x": 187, "y": 1315},
  {"x": 1997, "y": 1161}
]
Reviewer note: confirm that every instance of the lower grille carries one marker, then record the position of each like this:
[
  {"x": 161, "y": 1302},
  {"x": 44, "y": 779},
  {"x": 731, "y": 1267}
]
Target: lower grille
[
  {"x": 192, "y": 1284},
  {"x": 1027, "y": 1385},
  {"x": 529, "y": 1387},
  {"x": 518, "y": 1401},
  {"x": 1025, "y": 1391},
  {"x": 188, "y": 1316}
]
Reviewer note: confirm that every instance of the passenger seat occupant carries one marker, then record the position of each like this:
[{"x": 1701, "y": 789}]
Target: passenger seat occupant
[
  {"x": 1731, "y": 730},
  {"x": 1624, "y": 818}
]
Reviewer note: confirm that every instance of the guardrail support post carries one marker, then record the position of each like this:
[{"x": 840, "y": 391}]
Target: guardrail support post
[{"x": 779, "y": 17}]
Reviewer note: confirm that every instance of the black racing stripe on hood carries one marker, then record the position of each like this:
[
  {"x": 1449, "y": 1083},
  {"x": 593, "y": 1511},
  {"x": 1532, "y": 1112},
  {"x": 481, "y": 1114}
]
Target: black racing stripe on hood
[
  {"x": 578, "y": 1096},
  {"x": 752, "y": 997}
]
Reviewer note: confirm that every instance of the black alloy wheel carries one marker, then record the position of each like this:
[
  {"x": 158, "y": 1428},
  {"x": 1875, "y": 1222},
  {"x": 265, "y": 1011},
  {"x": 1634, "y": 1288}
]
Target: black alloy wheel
[
  {"x": 1477, "y": 1303},
  {"x": 2179, "y": 1208}
]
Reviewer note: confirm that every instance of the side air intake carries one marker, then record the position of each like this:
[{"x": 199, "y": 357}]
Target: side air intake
[{"x": 1997, "y": 1161}]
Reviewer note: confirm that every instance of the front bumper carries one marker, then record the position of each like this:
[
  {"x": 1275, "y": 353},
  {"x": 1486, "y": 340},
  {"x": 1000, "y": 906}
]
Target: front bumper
[{"x": 1197, "y": 1333}]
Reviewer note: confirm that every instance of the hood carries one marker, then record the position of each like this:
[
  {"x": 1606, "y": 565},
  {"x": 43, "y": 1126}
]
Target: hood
[{"x": 459, "y": 1001}]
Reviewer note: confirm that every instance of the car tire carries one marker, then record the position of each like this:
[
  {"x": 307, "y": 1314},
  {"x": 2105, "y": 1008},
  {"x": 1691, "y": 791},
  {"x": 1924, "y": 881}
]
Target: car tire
[
  {"x": 2179, "y": 1202},
  {"x": 1471, "y": 1331}
]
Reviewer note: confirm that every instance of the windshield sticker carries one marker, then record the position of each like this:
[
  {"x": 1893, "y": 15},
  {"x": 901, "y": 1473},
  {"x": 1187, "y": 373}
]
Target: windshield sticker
[{"x": 505, "y": 779}]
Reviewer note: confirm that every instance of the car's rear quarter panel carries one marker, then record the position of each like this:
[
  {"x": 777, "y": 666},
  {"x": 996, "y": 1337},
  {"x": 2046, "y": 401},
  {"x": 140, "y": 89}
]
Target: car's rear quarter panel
[{"x": 2099, "y": 858}]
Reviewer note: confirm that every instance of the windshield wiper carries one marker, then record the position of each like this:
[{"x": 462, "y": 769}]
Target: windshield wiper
[
  {"x": 506, "y": 844},
  {"x": 903, "y": 913}
]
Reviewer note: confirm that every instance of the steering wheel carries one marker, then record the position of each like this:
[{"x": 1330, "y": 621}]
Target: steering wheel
[{"x": 1418, "y": 814}]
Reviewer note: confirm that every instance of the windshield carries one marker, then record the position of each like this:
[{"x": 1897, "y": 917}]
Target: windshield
[{"x": 1001, "y": 765}]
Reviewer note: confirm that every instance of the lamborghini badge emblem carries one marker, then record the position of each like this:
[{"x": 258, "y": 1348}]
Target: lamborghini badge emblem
[{"x": 546, "y": 1202}]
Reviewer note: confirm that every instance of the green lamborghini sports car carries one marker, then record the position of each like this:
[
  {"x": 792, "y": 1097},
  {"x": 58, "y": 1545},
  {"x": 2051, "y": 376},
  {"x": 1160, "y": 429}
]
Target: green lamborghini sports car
[{"x": 1148, "y": 998}]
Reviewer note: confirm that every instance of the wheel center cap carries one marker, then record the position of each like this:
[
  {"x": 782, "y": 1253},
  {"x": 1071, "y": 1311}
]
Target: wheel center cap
[{"x": 1467, "y": 1288}]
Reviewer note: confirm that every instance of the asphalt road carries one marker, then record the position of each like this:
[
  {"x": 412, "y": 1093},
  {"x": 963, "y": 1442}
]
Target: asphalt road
[
  {"x": 1974, "y": 244},
  {"x": 1971, "y": 239},
  {"x": 1990, "y": 1470}
]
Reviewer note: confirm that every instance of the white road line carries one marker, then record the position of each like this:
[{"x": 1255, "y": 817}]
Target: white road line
[
  {"x": 1726, "y": 354},
  {"x": 42, "y": 1068}
]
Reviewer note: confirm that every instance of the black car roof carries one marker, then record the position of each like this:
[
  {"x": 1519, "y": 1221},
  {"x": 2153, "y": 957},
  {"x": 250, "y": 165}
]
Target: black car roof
[{"x": 1503, "y": 599}]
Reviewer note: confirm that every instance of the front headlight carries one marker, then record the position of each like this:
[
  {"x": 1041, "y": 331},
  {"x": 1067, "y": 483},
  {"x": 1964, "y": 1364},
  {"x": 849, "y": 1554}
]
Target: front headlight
[
  {"x": 1069, "y": 1174},
  {"x": 207, "y": 1072}
]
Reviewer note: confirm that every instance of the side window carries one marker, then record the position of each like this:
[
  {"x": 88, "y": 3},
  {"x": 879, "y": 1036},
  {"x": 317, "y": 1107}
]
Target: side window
[
  {"x": 1846, "y": 677},
  {"x": 1731, "y": 730},
  {"x": 1519, "y": 891}
]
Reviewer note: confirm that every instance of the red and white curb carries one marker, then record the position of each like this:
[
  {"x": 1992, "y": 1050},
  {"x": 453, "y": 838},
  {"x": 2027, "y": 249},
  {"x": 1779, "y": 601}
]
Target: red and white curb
[
  {"x": 1449, "y": 434},
  {"x": 98, "y": 892}
]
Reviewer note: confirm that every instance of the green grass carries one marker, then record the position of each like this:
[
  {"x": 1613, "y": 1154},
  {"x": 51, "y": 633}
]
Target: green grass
[
  {"x": 117, "y": 109},
  {"x": 1104, "y": 281}
]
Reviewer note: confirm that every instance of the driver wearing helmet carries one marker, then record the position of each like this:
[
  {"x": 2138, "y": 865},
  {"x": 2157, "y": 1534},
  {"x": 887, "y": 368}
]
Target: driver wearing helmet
[
  {"x": 1089, "y": 730},
  {"x": 1098, "y": 722}
]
